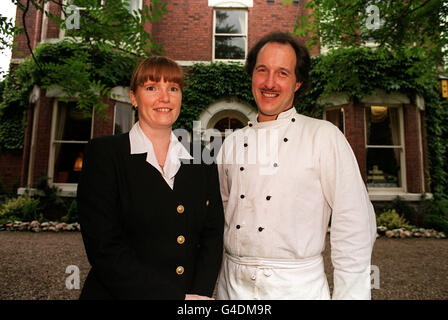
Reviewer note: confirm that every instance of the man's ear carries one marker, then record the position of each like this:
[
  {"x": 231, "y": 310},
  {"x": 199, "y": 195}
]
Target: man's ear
[{"x": 298, "y": 85}]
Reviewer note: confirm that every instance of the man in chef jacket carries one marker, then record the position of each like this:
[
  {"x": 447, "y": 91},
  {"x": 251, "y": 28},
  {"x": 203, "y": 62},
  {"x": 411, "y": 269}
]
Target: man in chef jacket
[{"x": 282, "y": 177}]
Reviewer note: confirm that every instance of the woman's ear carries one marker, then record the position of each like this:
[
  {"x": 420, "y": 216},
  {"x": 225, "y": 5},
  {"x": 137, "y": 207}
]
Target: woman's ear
[{"x": 133, "y": 99}]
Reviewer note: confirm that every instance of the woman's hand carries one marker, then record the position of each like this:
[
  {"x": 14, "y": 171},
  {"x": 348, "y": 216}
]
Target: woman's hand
[{"x": 197, "y": 297}]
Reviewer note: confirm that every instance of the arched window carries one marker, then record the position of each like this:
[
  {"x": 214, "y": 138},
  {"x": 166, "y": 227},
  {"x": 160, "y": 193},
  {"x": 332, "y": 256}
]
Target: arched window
[{"x": 228, "y": 123}]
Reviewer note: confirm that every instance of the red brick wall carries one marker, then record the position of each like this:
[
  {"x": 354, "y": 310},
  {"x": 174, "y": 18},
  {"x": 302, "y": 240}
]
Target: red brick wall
[
  {"x": 266, "y": 17},
  {"x": 354, "y": 132},
  {"x": 104, "y": 125},
  {"x": 20, "y": 49},
  {"x": 412, "y": 135},
  {"x": 186, "y": 31},
  {"x": 10, "y": 168},
  {"x": 52, "y": 29}
]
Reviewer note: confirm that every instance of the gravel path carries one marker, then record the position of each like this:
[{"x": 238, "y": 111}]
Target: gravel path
[{"x": 33, "y": 265}]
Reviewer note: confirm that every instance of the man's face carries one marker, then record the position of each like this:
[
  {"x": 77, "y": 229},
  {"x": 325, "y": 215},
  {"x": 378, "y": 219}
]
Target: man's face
[{"x": 273, "y": 80}]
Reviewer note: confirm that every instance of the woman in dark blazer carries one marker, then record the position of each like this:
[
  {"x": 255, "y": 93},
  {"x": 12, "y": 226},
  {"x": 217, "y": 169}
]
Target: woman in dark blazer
[{"x": 151, "y": 219}]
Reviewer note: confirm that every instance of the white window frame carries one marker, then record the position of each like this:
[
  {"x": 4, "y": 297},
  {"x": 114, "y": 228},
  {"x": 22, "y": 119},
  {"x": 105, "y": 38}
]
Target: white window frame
[
  {"x": 231, "y": 3},
  {"x": 403, "y": 187},
  {"x": 70, "y": 187},
  {"x": 242, "y": 35}
]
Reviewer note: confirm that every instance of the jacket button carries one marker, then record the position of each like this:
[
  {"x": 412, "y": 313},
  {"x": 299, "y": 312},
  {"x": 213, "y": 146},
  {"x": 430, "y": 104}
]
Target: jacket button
[
  {"x": 245, "y": 145},
  {"x": 180, "y": 209},
  {"x": 238, "y": 226},
  {"x": 286, "y": 139},
  {"x": 180, "y": 270},
  {"x": 241, "y": 168},
  {"x": 260, "y": 229},
  {"x": 242, "y": 196},
  {"x": 268, "y": 198},
  {"x": 180, "y": 239},
  {"x": 207, "y": 203}
]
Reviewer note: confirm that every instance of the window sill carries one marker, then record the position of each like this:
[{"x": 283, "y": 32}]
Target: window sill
[
  {"x": 64, "y": 190},
  {"x": 389, "y": 195}
]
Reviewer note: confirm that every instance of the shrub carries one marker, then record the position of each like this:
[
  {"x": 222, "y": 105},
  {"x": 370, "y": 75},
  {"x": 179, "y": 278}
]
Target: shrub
[
  {"x": 437, "y": 216},
  {"x": 392, "y": 220},
  {"x": 72, "y": 215},
  {"x": 403, "y": 209},
  {"x": 23, "y": 208},
  {"x": 51, "y": 204}
]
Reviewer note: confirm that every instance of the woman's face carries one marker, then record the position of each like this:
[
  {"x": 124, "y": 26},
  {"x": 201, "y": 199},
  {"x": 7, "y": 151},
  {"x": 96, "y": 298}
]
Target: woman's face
[{"x": 158, "y": 103}]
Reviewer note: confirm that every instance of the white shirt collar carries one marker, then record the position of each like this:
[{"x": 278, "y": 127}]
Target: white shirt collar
[
  {"x": 140, "y": 143},
  {"x": 282, "y": 117}
]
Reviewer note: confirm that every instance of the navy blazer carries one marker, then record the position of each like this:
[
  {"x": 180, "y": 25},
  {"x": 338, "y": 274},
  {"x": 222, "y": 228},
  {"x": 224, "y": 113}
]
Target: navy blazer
[{"x": 143, "y": 239}]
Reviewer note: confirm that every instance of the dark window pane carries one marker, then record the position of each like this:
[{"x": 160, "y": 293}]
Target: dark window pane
[
  {"x": 230, "y": 21},
  {"x": 383, "y": 167},
  {"x": 382, "y": 126},
  {"x": 235, "y": 124},
  {"x": 229, "y": 47},
  {"x": 228, "y": 123},
  {"x": 336, "y": 117},
  {"x": 68, "y": 162},
  {"x": 72, "y": 124}
]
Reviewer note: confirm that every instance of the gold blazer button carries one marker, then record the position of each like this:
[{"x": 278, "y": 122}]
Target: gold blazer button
[
  {"x": 180, "y": 270},
  {"x": 207, "y": 203},
  {"x": 180, "y": 239},
  {"x": 180, "y": 209}
]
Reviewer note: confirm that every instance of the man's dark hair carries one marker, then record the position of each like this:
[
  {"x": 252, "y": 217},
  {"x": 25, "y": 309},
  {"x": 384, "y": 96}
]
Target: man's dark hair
[{"x": 302, "y": 56}]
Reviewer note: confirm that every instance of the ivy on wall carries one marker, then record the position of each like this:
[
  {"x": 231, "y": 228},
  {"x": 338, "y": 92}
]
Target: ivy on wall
[
  {"x": 207, "y": 83},
  {"x": 84, "y": 73}
]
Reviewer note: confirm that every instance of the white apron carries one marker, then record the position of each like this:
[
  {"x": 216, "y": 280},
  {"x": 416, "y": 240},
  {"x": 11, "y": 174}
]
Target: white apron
[{"x": 273, "y": 279}]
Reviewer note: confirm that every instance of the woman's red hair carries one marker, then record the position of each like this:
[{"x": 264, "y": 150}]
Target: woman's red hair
[{"x": 154, "y": 69}]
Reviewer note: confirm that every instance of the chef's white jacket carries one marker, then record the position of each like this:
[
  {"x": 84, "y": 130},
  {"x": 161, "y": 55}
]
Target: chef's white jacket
[{"x": 281, "y": 181}]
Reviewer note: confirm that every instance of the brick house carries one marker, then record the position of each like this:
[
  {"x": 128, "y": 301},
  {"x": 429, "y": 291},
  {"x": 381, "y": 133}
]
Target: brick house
[{"x": 386, "y": 131}]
